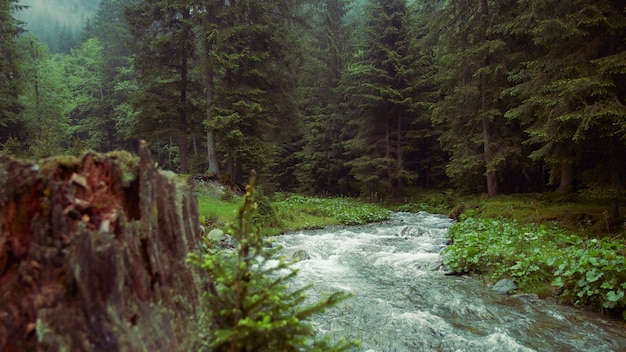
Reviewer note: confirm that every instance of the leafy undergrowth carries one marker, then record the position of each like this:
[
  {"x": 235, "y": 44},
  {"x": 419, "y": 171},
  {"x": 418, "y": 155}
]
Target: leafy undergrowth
[{"x": 543, "y": 258}]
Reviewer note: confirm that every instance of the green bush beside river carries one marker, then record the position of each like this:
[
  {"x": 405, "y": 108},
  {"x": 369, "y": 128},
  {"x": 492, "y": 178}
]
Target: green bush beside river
[{"x": 569, "y": 249}]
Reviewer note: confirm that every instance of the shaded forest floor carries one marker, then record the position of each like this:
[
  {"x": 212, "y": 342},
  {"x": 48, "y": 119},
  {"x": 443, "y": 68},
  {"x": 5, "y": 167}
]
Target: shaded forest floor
[
  {"x": 574, "y": 213},
  {"x": 287, "y": 212}
]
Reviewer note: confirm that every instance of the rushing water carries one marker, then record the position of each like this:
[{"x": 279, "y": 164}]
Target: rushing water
[{"x": 404, "y": 301}]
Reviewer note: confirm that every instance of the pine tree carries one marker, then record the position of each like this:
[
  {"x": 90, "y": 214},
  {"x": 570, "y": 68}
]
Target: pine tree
[
  {"x": 109, "y": 26},
  {"x": 322, "y": 167},
  {"x": 9, "y": 66},
  {"x": 164, "y": 47},
  {"x": 209, "y": 24},
  {"x": 47, "y": 101},
  {"x": 572, "y": 88},
  {"x": 254, "y": 87},
  {"x": 382, "y": 79},
  {"x": 423, "y": 153},
  {"x": 85, "y": 80},
  {"x": 474, "y": 60},
  {"x": 249, "y": 300}
]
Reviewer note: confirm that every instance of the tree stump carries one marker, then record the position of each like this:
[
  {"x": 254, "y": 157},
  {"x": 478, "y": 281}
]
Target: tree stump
[{"x": 92, "y": 255}]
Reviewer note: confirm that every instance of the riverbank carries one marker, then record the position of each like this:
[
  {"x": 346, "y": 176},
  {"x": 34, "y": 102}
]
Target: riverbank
[
  {"x": 568, "y": 249},
  {"x": 562, "y": 248},
  {"x": 280, "y": 213}
]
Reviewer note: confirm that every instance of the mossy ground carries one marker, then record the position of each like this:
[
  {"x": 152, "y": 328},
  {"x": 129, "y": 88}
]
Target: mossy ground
[{"x": 576, "y": 214}]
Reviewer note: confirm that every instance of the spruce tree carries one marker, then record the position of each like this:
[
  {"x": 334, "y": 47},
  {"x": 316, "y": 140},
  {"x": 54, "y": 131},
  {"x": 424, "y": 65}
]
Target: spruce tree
[
  {"x": 254, "y": 105},
  {"x": 85, "y": 80},
  {"x": 572, "y": 91},
  {"x": 474, "y": 60},
  {"x": 249, "y": 301},
  {"x": 47, "y": 101},
  {"x": 10, "y": 87},
  {"x": 109, "y": 26},
  {"x": 381, "y": 80},
  {"x": 165, "y": 46},
  {"x": 322, "y": 167}
]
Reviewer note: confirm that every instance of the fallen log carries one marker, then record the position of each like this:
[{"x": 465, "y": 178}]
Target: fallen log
[{"x": 92, "y": 255}]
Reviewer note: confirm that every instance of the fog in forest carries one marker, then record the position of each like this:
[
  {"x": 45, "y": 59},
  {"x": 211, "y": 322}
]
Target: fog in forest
[{"x": 57, "y": 22}]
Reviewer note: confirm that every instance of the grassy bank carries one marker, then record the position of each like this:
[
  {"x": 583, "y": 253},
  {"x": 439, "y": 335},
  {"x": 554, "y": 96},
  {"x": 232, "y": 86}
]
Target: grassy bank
[
  {"x": 568, "y": 249},
  {"x": 286, "y": 212}
]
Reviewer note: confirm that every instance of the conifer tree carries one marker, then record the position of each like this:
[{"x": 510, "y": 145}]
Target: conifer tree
[
  {"x": 473, "y": 61},
  {"x": 254, "y": 87},
  {"x": 9, "y": 66},
  {"x": 164, "y": 46},
  {"x": 423, "y": 153},
  {"x": 47, "y": 101},
  {"x": 119, "y": 78},
  {"x": 571, "y": 87},
  {"x": 381, "y": 80},
  {"x": 88, "y": 112},
  {"x": 209, "y": 24},
  {"x": 322, "y": 167},
  {"x": 249, "y": 300}
]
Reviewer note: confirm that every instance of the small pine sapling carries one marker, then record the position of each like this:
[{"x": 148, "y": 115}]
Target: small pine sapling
[{"x": 249, "y": 301}]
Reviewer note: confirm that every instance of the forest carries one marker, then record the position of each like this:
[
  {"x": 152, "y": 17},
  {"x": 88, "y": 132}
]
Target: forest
[{"x": 334, "y": 97}]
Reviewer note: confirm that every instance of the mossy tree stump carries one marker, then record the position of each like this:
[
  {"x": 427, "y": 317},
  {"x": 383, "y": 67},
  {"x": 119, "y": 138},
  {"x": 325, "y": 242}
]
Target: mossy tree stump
[{"x": 92, "y": 255}]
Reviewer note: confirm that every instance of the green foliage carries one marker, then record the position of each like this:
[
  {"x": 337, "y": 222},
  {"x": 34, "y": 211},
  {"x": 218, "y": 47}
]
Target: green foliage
[
  {"x": 251, "y": 305},
  {"x": 593, "y": 272},
  {"x": 322, "y": 167},
  {"x": 85, "y": 80},
  {"x": 590, "y": 272},
  {"x": 381, "y": 80},
  {"x": 502, "y": 248},
  {"x": 9, "y": 62},
  {"x": 47, "y": 101}
]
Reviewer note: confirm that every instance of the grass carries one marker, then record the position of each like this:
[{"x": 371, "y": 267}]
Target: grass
[
  {"x": 217, "y": 212},
  {"x": 286, "y": 213},
  {"x": 576, "y": 214}
]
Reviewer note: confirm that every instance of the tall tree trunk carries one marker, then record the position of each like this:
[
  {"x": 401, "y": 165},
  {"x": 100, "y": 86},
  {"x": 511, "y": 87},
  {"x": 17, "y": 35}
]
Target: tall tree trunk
[
  {"x": 184, "y": 83},
  {"x": 390, "y": 167},
  {"x": 214, "y": 168},
  {"x": 209, "y": 75},
  {"x": 399, "y": 158},
  {"x": 567, "y": 178},
  {"x": 492, "y": 181},
  {"x": 230, "y": 165}
]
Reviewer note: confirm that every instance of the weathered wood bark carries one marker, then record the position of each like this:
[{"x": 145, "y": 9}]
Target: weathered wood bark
[{"x": 92, "y": 255}]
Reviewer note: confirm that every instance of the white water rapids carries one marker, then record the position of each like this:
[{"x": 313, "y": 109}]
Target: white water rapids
[{"x": 404, "y": 301}]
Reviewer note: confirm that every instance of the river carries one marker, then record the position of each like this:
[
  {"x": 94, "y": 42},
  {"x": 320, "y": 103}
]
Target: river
[{"x": 403, "y": 301}]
